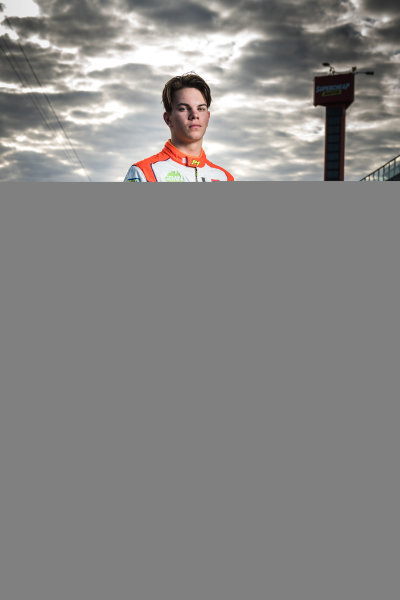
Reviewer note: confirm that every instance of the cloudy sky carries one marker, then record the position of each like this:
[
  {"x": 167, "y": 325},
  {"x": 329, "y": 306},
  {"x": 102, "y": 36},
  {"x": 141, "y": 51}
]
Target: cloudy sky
[{"x": 102, "y": 64}]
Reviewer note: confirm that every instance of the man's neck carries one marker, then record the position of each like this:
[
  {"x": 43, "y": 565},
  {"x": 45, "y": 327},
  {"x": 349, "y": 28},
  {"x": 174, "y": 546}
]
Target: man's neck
[{"x": 193, "y": 149}]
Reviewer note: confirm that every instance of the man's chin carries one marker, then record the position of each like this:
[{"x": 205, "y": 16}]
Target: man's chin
[
  {"x": 196, "y": 135},
  {"x": 196, "y": 129}
]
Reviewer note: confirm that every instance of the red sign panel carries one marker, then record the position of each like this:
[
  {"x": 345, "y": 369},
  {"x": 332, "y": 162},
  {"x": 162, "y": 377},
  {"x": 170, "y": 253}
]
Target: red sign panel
[{"x": 334, "y": 89}]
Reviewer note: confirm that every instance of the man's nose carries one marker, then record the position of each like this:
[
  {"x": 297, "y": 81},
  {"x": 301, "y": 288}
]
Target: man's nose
[{"x": 194, "y": 113}]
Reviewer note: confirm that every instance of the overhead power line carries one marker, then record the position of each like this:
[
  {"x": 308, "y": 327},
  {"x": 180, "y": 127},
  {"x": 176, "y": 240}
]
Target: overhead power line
[
  {"x": 45, "y": 96},
  {"x": 34, "y": 97},
  {"x": 18, "y": 74}
]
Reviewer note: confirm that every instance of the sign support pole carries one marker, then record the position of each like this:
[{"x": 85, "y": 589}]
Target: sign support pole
[{"x": 335, "y": 128}]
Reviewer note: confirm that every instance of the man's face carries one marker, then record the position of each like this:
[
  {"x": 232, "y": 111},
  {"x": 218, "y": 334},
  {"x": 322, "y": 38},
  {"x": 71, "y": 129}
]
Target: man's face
[{"x": 189, "y": 117}]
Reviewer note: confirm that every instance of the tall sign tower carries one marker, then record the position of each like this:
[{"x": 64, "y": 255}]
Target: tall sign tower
[{"x": 336, "y": 92}]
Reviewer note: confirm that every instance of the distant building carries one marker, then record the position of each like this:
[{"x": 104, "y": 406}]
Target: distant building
[{"x": 388, "y": 172}]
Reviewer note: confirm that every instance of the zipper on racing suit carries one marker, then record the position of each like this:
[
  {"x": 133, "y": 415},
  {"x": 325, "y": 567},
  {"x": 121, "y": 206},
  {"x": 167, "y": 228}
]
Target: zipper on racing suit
[{"x": 195, "y": 170}]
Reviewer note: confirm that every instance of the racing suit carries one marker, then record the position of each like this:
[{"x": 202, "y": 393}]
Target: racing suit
[{"x": 173, "y": 165}]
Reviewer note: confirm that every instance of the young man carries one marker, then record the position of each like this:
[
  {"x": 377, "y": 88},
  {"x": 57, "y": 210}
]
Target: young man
[{"x": 186, "y": 100}]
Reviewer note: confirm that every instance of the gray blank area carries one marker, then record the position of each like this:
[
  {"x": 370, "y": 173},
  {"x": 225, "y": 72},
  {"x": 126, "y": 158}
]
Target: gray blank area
[{"x": 199, "y": 392}]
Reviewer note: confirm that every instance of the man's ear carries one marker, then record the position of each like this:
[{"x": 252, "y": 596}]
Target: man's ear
[{"x": 167, "y": 119}]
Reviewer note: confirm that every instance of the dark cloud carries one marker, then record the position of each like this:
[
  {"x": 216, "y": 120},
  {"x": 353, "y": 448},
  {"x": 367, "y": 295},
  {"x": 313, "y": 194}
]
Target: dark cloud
[
  {"x": 174, "y": 14},
  {"x": 27, "y": 26},
  {"x": 50, "y": 64},
  {"x": 291, "y": 47},
  {"x": 113, "y": 112},
  {"x": 79, "y": 7},
  {"x": 76, "y": 98},
  {"x": 284, "y": 66},
  {"x": 31, "y": 112},
  {"x": 390, "y": 32},
  {"x": 188, "y": 15},
  {"x": 21, "y": 112},
  {"x": 272, "y": 16},
  {"x": 36, "y": 166},
  {"x": 127, "y": 72},
  {"x": 83, "y": 25},
  {"x": 382, "y": 6},
  {"x": 149, "y": 5}
]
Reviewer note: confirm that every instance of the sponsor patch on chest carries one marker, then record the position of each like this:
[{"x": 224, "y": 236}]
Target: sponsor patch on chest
[{"x": 173, "y": 176}]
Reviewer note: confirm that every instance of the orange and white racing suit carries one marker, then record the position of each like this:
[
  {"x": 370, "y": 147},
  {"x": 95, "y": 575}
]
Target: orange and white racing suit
[{"x": 173, "y": 165}]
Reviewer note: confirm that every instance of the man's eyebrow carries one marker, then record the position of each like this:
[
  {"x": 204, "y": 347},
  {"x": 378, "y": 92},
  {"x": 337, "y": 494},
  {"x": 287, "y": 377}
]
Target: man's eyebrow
[{"x": 184, "y": 104}]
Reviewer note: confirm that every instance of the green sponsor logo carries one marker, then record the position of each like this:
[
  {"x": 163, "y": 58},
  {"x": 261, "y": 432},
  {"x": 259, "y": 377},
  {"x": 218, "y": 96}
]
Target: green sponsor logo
[{"x": 173, "y": 176}]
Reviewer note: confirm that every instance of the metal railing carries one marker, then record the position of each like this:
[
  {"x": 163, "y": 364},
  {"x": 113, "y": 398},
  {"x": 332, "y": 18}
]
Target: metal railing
[{"x": 386, "y": 172}]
